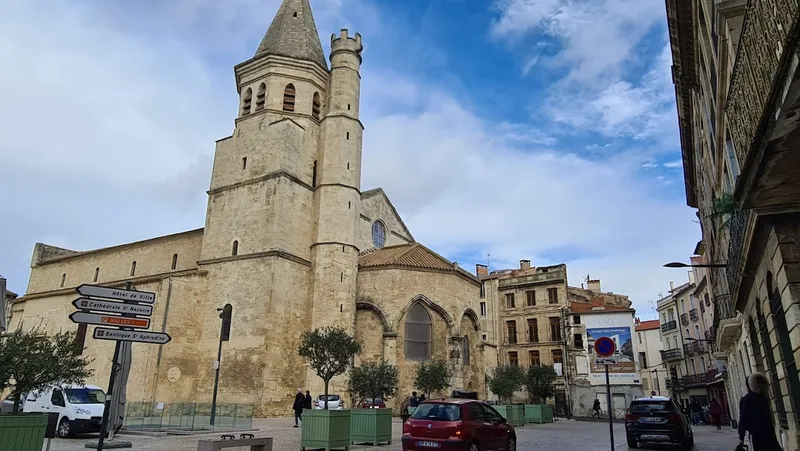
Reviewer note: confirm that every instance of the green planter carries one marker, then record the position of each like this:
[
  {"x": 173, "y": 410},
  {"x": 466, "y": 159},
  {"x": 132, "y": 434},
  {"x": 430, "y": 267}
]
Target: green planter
[
  {"x": 325, "y": 429},
  {"x": 513, "y": 413},
  {"x": 22, "y": 432},
  {"x": 538, "y": 413},
  {"x": 371, "y": 426}
]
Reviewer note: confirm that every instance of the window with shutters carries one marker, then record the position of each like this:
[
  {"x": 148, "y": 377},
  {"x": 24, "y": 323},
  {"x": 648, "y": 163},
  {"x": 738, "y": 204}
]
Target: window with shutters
[
  {"x": 558, "y": 356},
  {"x": 513, "y": 358},
  {"x": 552, "y": 295},
  {"x": 288, "y": 98},
  {"x": 533, "y": 330},
  {"x": 530, "y": 297},
  {"x": 555, "y": 329},
  {"x": 534, "y": 358},
  {"x": 511, "y": 328},
  {"x": 510, "y": 300},
  {"x": 261, "y": 97},
  {"x": 419, "y": 333},
  {"x": 247, "y": 102}
]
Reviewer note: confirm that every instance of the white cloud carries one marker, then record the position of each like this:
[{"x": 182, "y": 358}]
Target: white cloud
[
  {"x": 674, "y": 164},
  {"x": 99, "y": 119}
]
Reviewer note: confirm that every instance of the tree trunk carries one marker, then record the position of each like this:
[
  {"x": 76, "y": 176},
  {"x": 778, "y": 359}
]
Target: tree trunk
[
  {"x": 16, "y": 402},
  {"x": 326, "y": 394}
]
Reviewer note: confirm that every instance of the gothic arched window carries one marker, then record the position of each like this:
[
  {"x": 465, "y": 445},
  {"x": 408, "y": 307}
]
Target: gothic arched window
[
  {"x": 419, "y": 332},
  {"x": 465, "y": 350},
  {"x": 315, "y": 106},
  {"x": 246, "y": 101},
  {"x": 378, "y": 234},
  {"x": 235, "y": 249},
  {"x": 288, "y": 98},
  {"x": 174, "y": 261}
]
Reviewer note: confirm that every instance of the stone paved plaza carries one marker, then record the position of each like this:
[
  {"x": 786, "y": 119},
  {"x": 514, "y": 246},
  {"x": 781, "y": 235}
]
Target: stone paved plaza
[{"x": 559, "y": 436}]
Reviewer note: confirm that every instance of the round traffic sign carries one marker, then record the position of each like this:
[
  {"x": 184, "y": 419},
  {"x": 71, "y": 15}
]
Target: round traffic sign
[{"x": 605, "y": 347}]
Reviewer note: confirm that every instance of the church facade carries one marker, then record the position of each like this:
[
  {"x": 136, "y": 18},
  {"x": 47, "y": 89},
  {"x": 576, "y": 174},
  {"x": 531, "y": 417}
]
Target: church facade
[{"x": 290, "y": 241}]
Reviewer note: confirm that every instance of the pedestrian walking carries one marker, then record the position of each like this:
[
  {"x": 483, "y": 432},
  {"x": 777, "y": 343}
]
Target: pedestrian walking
[
  {"x": 413, "y": 401},
  {"x": 307, "y": 401},
  {"x": 596, "y": 409},
  {"x": 755, "y": 416},
  {"x": 715, "y": 412},
  {"x": 299, "y": 400},
  {"x": 697, "y": 411}
]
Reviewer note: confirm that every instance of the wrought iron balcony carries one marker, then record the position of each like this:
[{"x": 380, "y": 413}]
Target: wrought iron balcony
[
  {"x": 666, "y": 327},
  {"x": 674, "y": 383},
  {"x": 726, "y": 325},
  {"x": 697, "y": 379},
  {"x": 694, "y": 347},
  {"x": 684, "y": 319},
  {"x": 764, "y": 49},
  {"x": 693, "y": 314},
  {"x": 671, "y": 354},
  {"x": 737, "y": 227}
]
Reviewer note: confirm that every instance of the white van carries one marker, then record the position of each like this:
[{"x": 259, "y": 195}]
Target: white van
[{"x": 79, "y": 407}]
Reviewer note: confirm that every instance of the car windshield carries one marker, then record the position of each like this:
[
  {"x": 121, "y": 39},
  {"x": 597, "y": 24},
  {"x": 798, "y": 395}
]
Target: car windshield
[
  {"x": 651, "y": 407},
  {"x": 438, "y": 412},
  {"x": 330, "y": 398},
  {"x": 85, "y": 395}
]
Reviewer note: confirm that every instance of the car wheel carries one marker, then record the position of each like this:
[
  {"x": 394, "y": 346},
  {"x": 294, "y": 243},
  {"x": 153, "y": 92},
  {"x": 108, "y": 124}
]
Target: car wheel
[
  {"x": 632, "y": 443},
  {"x": 64, "y": 429},
  {"x": 511, "y": 445}
]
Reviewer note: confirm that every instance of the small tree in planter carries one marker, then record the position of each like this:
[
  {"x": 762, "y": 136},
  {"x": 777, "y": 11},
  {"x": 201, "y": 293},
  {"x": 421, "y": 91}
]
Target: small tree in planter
[
  {"x": 540, "y": 381},
  {"x": 372, "y": 381},
  {"x": 433, "y": 376},
  {"x": 505, "y": 380},
  {"x": 328, "y": 351}
]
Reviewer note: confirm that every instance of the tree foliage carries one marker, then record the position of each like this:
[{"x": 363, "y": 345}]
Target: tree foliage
[
  {"x": 34, "y": 361},
  {"x": 328, "y": 351},
  {"x": 433, "y": 376},
  {"x": 505, "y": 380},
  {"x": 540, "y": 382},
  {"x": 374, "y": 380}
]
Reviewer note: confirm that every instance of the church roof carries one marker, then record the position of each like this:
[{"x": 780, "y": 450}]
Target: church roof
[
  {"x": 412, "y": 255},
  {"x": 293, "y": 34},
  {"x": 379, "y": 191}
]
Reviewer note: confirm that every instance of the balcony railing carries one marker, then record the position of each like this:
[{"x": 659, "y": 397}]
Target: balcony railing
[
  {"x": 697, "y": 379},
  {"x": 666, "y": 327},
  {"x": 763, "y": 49},
  {"x": 684, "y": 319},
  {"x": 671, "y": 354},
  {"x": 693, "y": 314},
  {"x": 694, "y": 347},
  {"x": 722, "y": 309},
  {"x": 737, "y": 226}
]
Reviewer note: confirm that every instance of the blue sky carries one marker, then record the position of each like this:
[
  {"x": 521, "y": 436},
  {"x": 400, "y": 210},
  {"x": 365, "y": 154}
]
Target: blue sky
[{"x": 523, "y": 129}]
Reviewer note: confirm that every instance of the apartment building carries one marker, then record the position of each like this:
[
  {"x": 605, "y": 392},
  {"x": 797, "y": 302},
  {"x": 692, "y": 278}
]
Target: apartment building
[
  {"x": 735, "y": 69},
  {"x": 651, "y": 368}
]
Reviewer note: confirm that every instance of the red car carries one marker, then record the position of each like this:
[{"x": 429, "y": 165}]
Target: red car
[
  {"x": 368, "y": 404},
  {"x": 458, "y": 424}
]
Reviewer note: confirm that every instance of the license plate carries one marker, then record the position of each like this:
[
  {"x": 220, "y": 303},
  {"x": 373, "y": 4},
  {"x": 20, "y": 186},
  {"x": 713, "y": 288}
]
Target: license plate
[
  {"x": 426, "y": 444},
  {"x": 651, "y": 420},
  {"x": 654, "y": 438}
]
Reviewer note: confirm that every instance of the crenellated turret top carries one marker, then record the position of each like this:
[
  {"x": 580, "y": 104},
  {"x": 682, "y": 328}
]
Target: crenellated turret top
[{"x": 293, "y": 34}]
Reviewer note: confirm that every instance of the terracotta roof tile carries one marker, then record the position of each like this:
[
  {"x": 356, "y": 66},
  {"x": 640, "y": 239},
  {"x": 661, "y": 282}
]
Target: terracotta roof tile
[
  {"x": 412, "y": 255},
  {"x": 649, "y": 325}
]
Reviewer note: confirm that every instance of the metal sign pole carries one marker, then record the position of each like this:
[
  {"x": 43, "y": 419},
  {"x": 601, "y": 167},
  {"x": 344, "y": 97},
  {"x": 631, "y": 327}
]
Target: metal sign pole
[
  {"x": 610, "y": 410},
  {"x": 111, "y": 378}
]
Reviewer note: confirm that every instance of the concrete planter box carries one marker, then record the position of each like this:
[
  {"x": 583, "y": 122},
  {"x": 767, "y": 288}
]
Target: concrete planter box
[
  {"x": 538, "y": 413},
  {"x": 22, "y": 432},
  {"x": 371, "y": 426},
  {"x": 513, "y": 413},
  {"x": 325, "y": 429}
]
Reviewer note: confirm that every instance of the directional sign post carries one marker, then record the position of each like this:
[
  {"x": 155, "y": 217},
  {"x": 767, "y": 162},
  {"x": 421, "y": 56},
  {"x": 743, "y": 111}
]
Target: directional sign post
[
  {"x": 605, "y": 348},
  {"x": 113, "y": 307},
  {"x": 131, "y": 335},
  {"x": 126, "y": 309}
]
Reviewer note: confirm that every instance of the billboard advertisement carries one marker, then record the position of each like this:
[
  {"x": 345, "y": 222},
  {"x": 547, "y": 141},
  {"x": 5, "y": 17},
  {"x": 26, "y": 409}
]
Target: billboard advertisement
[{"x": 625, "y": 368}]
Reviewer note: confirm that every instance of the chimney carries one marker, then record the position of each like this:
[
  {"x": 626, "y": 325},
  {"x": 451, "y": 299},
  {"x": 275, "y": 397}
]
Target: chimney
[
  {"x": 671, "y": 286},
  {"x": 637, "y": 321},
  {"x": 481, "y": 270},
  {"x": 455, "y": 265},
  {"x": 594, "y": 285},
  {"x": 524, "y": 264}
]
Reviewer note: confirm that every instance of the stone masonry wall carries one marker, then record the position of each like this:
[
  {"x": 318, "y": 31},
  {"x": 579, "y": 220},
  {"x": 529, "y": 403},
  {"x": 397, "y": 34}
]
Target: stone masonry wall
[{"x": 376, "y": 208}]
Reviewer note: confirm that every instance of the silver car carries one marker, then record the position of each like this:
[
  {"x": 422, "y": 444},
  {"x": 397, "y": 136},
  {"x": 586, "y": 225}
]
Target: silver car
[{"x": 334, "y": 402}]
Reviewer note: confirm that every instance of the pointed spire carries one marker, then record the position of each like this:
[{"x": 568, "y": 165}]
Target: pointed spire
[{"x": 293, "y": 34}]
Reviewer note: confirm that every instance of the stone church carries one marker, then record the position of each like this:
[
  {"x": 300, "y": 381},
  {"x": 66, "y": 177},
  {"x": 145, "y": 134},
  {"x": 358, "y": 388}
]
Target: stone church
[{"x": 291, "y": 241}]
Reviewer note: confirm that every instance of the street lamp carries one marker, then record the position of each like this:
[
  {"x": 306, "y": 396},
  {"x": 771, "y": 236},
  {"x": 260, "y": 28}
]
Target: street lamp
[{"x": 685, "y": 265}]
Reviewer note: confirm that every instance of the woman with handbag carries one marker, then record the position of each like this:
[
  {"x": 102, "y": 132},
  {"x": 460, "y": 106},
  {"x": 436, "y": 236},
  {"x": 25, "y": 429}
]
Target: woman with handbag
[{"x": 755, "y": 416}]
